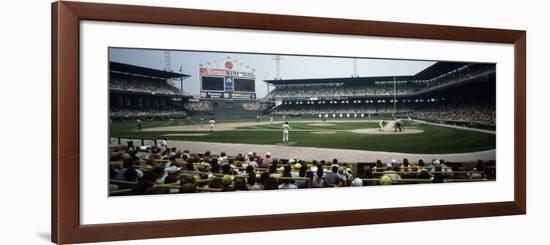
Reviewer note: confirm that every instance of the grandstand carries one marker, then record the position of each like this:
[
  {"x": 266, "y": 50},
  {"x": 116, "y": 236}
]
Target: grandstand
[
  {"x": 454, "y": 93},
  {"x": 144, "y": 93}
]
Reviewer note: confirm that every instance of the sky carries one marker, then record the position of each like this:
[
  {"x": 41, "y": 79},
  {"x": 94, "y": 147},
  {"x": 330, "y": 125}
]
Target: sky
[{"x": 291, "y": 67}]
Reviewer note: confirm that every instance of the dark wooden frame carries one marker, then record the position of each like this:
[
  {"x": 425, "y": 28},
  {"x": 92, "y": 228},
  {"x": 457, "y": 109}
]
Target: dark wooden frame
[{"x": 66, "y": 227}]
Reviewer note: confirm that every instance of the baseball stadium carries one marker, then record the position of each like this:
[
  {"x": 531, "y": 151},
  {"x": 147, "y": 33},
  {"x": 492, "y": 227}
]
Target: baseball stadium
[{"x": 436, "y": 125}]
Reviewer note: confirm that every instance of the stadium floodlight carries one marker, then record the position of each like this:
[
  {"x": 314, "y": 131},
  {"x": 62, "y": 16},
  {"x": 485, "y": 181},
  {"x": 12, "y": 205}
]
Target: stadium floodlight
[{"x": 277, "y": 59}]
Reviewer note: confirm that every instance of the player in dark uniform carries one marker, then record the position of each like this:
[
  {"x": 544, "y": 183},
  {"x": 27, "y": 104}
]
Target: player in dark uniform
[{"x": 398, "y": 125}]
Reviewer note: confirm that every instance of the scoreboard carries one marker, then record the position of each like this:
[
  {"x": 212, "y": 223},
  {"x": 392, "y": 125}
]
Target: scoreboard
[{"x": 226, "y": 83}]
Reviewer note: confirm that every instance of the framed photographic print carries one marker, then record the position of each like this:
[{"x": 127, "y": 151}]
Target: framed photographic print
[{"x": 256, "y": 122}]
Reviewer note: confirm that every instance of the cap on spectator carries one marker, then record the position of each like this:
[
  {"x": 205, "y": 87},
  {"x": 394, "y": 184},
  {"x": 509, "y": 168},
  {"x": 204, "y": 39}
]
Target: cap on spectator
[
  {"x": 268, "y": 154},
  {"x": 385, "y": 180},
  {"x": 290, "y": 161},
  {"x": 357, "y": 182},
  {"x": 227, "y": 179}
]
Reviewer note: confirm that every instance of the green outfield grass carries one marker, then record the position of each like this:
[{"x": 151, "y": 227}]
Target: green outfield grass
[{"x": 434, "y": 139}]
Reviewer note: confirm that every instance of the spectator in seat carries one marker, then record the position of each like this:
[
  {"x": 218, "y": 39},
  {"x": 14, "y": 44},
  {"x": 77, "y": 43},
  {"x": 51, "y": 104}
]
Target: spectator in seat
[
  {"x": 302, "y": 174},
  {"x": 222, "y": 158},
  {"x": 263, "y": 179},
  {"x": 143, "y": 187},
  {"x": 331, "y": 179},
  {"x": 226, "y": 169},
  {"x": 319, "y": 177},
  {"x": 240, "y": 184},
  {"x": 252, "y": 162},
  {"x": 214, "y": 166},
  {"x": 421, "y": 164},
  {"x": 128, "y": 163},
  {"x": 392, "y": 173},
  {"x": 271, "y": 184},
  {"x": 215, "y": 183},
  {"x": 251, "y": 182},
  {"x": 438, "y": 176},
  {"x": 342, "y": 178},
  {"x": 267, "y": 160},
  {"x": 357, "y": 182},
  {"x": 287, "y": 184},
  {"x": 227, "y": 183},
  {"x": 171, "y": 178},
  {"x": 188, "y": 188},
  {"x": 424, "y": 174},
  {"x": 379, "y": 166},
  {"x": 273, "y": 171}
]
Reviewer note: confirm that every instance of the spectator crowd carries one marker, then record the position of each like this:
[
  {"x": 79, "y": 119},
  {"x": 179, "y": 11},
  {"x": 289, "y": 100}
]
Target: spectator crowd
[
  {"x": 160, "y": 169},
  {"x": 154, "y": 87}
]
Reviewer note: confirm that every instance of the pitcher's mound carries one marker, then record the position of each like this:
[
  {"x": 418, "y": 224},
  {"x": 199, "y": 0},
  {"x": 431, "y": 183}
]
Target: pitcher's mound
[{"x": 389, "y": 132}]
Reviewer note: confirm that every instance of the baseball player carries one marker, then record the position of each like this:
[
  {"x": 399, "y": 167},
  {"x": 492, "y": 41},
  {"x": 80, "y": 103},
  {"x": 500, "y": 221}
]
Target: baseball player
[
  {"x": 139, "y": 124},
  {"x": 286, "y": 127},
  {"x": 398, "y": 125},
  {"x": 212, "y": 124},
  {"x": 381, "y": 123}
]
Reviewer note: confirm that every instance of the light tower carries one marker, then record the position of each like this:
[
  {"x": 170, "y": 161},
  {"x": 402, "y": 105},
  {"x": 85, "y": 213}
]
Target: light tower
[
  {"x": 394, "y": 96},
  {"x": 167, "y": 61},
  {"x": 277, "y": 59},
  {"x": 354, "y": 68}
]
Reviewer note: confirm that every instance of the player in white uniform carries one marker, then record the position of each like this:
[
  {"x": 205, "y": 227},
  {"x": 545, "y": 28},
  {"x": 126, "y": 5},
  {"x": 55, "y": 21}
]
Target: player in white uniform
[
  {"x": 212, "y": 123},
  {"x": 381, "y": 123},
  {"x": 163, "y": 144},
  {"x": 286, "y": 127}
]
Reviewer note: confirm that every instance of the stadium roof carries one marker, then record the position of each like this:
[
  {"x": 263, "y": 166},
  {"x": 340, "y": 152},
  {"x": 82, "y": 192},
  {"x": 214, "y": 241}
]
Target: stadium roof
[
  {"x": 439, "y": 68},
  {"x": 122, "y": 68}
]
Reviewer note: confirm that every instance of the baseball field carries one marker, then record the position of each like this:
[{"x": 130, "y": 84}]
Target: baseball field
[{"x": 364, "y": 135}]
